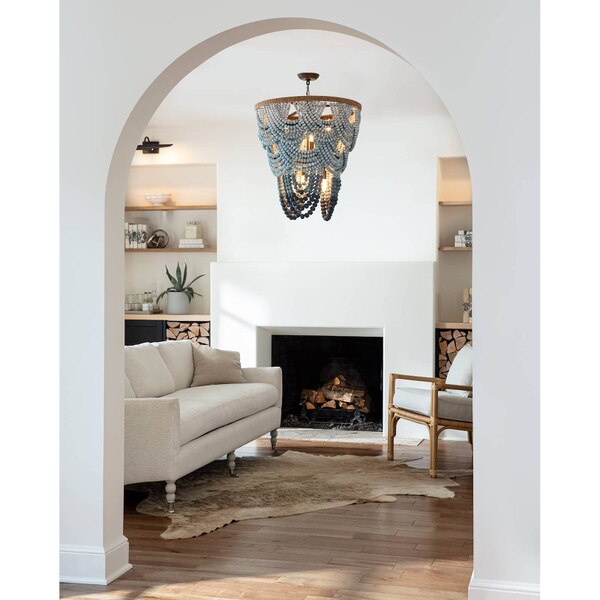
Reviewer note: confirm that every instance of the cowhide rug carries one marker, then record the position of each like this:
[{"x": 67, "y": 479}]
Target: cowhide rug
[{"x": 289, "y": 484}]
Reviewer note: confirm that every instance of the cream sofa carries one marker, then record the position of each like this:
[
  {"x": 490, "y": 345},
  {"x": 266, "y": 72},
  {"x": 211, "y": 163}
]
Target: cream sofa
[{"x": 171, "y": 429}]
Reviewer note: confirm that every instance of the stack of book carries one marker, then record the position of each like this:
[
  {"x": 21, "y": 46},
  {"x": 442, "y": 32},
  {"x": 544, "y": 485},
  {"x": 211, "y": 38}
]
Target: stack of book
[
  {"x": 136, "y": 235},
  {"x": 191, "y": 243},
  {"x": 464, "y": 238}
]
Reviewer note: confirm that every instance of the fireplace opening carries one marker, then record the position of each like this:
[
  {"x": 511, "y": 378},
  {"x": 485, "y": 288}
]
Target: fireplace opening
[{"x": 330, "y": 382}]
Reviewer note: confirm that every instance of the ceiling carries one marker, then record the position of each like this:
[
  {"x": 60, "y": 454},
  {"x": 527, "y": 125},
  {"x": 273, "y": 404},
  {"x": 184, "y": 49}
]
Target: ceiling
[{"x": 227, "y": 86}]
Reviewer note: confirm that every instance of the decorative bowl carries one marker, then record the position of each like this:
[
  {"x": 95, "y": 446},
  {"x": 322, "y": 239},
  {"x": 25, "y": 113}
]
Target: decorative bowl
[
  {"x": 158, "y": 239},
  {"x": 157, "y": 199}
]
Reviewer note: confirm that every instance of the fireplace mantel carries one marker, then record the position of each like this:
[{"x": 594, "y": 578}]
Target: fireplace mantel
[{"x": 252, "y": 301}]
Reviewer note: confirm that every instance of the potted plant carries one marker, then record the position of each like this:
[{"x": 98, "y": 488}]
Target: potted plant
[{"x": 180, "y": 294}]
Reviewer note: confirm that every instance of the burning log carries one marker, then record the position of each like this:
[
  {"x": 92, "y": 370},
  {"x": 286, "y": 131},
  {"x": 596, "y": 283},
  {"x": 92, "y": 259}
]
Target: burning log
[
  {"x": 336, "y": 394},
  {"x": 343, "y": 397}
]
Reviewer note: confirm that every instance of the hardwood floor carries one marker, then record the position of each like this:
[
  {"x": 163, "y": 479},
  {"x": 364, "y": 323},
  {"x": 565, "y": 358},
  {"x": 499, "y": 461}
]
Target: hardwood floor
[{"x": 417, "y": 548}]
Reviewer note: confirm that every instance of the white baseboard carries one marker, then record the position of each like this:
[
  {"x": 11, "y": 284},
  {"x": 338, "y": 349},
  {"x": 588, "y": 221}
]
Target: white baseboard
[
  {"x": 94, "y": 565},
  {"x": 489, "y": 589}
]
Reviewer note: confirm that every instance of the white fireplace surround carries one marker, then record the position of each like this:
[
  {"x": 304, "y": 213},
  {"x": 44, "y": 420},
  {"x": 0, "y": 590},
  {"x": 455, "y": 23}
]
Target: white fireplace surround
[{"x": 252, "y": 301}]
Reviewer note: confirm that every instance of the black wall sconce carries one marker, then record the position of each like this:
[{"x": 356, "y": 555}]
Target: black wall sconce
[{"x": 151, "y": 147}]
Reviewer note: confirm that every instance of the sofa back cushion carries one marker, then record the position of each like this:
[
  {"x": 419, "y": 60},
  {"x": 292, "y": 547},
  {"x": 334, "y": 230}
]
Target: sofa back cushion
[
  {"x": 178, "y": 358},
  {"x": 148, "y": 374},
  {"x": 213, "y": 366},
  {"x": 461, "y": 370},
  {"x": 129, "y": 393}
]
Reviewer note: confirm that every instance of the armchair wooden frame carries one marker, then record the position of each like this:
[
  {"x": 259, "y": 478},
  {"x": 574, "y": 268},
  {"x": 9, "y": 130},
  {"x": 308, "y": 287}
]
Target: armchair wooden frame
[{"x": 434, "y": 423}]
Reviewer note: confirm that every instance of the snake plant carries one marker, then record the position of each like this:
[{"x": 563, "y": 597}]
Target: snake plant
[{"x": 179, "y": 283}]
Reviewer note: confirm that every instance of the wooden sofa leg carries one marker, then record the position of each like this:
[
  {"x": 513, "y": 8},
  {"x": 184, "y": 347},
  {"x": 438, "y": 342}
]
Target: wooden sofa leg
[
  {"x": 231, "y": 464},
  {"x": 274, "y": 440},
  {"x": 170, "y": 490},
  {"x": 433, "y": 446}
]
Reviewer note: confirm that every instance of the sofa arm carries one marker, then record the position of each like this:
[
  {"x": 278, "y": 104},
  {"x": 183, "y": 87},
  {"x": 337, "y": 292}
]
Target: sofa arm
[
  {"x": 152, "y": 438},
  {"x": 271, "y": 375}
]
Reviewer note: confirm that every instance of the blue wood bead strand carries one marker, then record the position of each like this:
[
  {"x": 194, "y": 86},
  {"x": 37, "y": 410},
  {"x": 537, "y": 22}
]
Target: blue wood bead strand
[{"x": 307, "y": 140}]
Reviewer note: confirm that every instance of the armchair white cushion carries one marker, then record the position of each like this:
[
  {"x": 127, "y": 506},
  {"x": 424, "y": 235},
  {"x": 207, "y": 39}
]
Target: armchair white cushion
[
  {"x": 461, "y": 370},
  {"x": 450, "y": 406}
]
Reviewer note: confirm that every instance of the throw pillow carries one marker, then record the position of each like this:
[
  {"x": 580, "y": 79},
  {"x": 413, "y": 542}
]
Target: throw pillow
[{"x": 213, "y": 366}]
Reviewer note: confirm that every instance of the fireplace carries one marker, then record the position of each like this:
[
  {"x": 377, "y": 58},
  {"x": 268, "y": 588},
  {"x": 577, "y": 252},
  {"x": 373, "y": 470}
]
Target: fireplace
[{"x": 330, "y": 381}]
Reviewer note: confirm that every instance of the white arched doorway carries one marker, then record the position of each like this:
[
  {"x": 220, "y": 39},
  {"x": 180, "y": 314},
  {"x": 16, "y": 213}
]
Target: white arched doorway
[
  {"x": 116, "y": 548},
  {"x": 172, "y": 75}
]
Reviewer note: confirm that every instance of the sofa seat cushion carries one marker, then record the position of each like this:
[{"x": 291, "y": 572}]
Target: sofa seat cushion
[
  {"x": 450, "y": 406},
  {"x": 208, "y": 407}
]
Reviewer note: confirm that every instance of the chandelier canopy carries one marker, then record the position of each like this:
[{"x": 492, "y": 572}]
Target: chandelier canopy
[{"x": 307, "y": 140}]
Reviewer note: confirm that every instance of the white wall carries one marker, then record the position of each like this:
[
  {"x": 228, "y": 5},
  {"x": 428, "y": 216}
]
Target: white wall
[
  {"x": 482, "y": 58},
  {"x": 387, "y": 206},
  {"x": 249, "y": 300},
  {"x": 386, "y": 212}
]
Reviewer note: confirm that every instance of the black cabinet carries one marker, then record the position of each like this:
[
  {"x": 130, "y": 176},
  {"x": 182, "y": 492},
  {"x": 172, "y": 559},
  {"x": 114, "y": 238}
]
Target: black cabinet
[{"x": 138, "y": 332}]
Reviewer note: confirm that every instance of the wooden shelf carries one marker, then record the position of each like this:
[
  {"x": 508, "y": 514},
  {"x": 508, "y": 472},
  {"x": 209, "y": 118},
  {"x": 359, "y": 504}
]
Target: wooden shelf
[
  {"x": 165, "y": 317},
  {"x": 448, "y": 325},
  {"x": 454, "y": 249},
  {"x": 461, "y": 203},
  {"x": 172, "y": 207},
  {"x": 170, "y": 249}
]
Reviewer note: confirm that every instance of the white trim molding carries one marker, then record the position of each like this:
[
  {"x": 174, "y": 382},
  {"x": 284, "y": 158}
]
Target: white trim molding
[
  {"x": 490, "y": 589},
  {"x": 94, "y": 565}
]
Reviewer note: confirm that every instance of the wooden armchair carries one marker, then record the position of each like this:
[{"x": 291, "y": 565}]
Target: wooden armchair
[{"x": 435, "y": 408}]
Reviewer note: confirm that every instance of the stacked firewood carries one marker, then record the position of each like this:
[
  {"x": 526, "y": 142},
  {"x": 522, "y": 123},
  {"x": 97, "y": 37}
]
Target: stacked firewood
[
  {"x": 193, "y": 330},
  {"x": 449, "y": 343},
  {"x": 336, "y": 394}
]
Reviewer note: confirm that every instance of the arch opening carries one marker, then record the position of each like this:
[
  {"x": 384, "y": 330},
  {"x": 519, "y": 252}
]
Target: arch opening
[{"x": 141, "y": 115}]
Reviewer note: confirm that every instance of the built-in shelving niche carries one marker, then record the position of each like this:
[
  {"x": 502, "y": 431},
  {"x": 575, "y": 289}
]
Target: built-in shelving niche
[
  {"x": 194, "y": 198},
  {"x": 454, "y": 271}
]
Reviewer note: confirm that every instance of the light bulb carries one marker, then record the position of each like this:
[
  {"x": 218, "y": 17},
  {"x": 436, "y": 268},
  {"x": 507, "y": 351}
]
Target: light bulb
[{"x": 300, "y": 178}]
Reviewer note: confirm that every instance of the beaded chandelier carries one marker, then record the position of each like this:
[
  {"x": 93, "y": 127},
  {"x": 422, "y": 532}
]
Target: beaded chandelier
[{"x": 307, "y": 140}]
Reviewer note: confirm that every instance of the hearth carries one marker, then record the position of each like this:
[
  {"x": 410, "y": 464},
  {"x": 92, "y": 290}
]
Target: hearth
[{"x": 330, "y": 381}]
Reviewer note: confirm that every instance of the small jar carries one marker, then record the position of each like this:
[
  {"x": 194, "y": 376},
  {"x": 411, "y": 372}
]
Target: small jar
[{"x": 192, "y": 230}]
